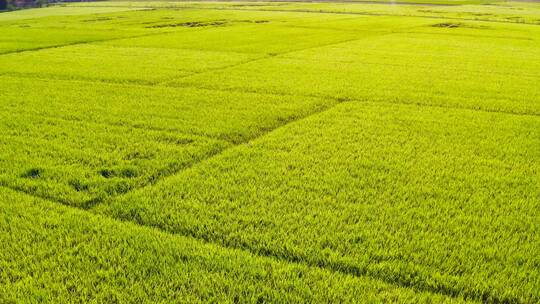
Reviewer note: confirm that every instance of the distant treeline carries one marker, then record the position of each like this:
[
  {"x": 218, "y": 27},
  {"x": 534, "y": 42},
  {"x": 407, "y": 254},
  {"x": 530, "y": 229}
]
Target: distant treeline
[{"x": 16, "y": 4}]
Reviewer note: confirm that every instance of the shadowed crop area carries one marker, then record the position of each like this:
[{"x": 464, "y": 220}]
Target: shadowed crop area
[{"x": 270, "y": 152}]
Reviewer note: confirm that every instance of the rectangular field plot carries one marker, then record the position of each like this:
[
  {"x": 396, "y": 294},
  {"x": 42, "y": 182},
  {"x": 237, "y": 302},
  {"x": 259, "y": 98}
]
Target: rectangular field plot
[
  {"x": 78, "y": 142},
  {"x": 438, "y": 199},
  {"x": 470, "y": 67},
  {"x": 77, "y": 254},
  {"x": 254, "y": 36},
  {"x": 16, "y": 39},
  {"x": 270, "y": 152},
  {"x": 513, "y": 12},
  {"x": 48, "y": 29},
  {"x": 116, "y": 64},
  {"x": 80, "y": 162},
  {"x": 58, "y": 12},
  {"x": 230, "y": 116}
]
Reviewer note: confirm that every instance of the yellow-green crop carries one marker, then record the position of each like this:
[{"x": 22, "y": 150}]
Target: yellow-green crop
[{"x": 270, "y": 152}]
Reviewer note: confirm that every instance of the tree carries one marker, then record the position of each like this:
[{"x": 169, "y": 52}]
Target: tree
[{"x": 3, "y": 5}]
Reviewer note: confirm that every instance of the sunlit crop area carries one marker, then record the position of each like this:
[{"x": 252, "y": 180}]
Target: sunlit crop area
[{"x": 270, "y": 152}]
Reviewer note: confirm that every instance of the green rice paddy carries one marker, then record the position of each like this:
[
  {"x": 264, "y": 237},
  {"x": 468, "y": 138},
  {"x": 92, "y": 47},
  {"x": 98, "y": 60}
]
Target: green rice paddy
[{"x": 270, "y": 152}]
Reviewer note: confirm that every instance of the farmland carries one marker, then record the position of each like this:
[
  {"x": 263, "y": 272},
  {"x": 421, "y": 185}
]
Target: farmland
[{"x": 252, "y": 152}]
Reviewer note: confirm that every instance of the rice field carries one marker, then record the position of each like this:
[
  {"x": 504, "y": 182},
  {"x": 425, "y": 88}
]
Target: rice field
[{"x": 270, "y": 152}]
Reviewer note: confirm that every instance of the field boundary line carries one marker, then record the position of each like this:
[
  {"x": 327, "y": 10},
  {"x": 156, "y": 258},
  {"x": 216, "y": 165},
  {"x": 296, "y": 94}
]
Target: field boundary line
[
  {"x": 57, "y": 46},
  {"x": 263, "y": 132},
  {"x": 502, "y": 112},
  {"x": 269, "y": 56},
  {"x": 347, "y": 13},
  {"x": 293, "y": 118},
  {"x": 67, "y": 44},
  {"x": 333, "y": 267},
  {"x": 225, "y": 248},
  {"x": 151, "y": 181},
  {"x": 281, "y": 2},
  {"x": 376, "y": 14},
  {"x": 336, "y": 267},
  {"x": 265, "y": 57},
  {"x": 138, "y": 84}
]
